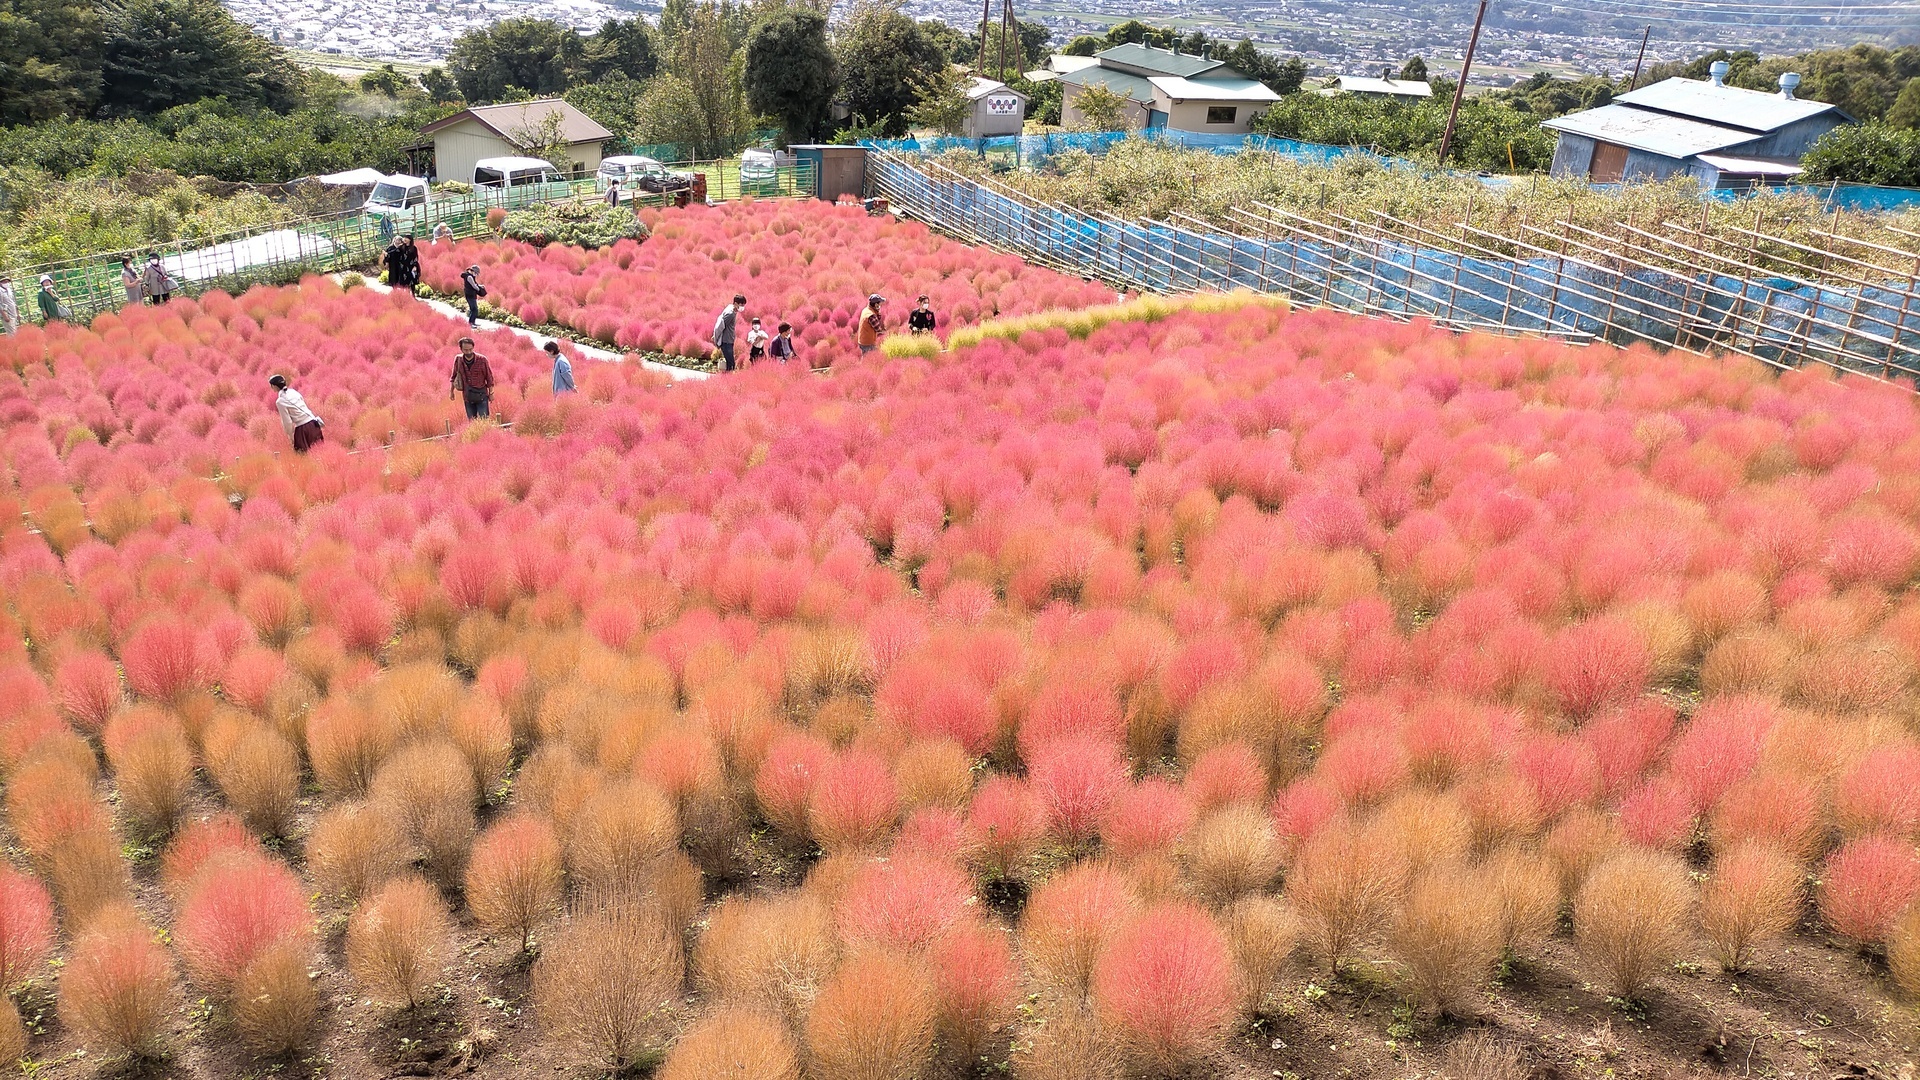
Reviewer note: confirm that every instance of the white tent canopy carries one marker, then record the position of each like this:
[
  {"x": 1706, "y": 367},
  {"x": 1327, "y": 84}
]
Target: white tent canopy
[{"x": 353, "y": 178}]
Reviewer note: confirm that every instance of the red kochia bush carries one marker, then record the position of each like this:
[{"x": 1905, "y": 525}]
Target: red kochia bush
[
  {"x": 977, "y": 985},
  {"x": 1880, "y": 791},
  {"x": 903, "y": 903},
  {"x": 1597, "y": 663},
  {"x": 1165, "y": 988},
  {"x": 854, "y": 802},
  {"x": 1866, "y": 885},
  {"x": 1075, "y": 779},
  {"x": 87, "y": 686},
  {"x": 239, "y": 907},
  {"x": 165, "y": 658},
  {"x": 26, "y": 926}
]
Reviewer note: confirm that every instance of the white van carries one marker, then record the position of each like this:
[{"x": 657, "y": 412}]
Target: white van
[
  {"x": 506, "y": 172},
  {"x": 397, "y": 195}
]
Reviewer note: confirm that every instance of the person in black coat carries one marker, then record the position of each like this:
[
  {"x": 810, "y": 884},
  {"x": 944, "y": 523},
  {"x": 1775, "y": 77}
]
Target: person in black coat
[{"x": 471, "y": 288}]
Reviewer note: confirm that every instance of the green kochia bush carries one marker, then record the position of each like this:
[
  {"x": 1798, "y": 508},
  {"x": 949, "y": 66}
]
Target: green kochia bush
[{"x": 580, "y": 224}]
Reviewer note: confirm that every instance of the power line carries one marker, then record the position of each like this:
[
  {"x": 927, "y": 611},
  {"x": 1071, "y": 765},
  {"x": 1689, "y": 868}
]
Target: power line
[{"x": 1636, "y": 16}]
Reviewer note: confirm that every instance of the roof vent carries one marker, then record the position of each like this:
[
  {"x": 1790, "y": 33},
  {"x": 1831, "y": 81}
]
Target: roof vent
[
  {"x": 1206, "y": 51},
  {"x": 1718, "y": 72},
  {"x": 1789, "y": 82}
]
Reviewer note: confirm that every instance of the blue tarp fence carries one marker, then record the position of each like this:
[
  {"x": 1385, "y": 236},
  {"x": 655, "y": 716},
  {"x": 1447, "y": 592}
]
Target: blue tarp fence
[
  {"x": 1036, "y": 149},
  {"x": 1590, "y": 295}
]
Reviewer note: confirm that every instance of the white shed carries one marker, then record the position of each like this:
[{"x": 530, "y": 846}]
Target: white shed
[
  {"x": 510, "y": 130},
  {"x": 998, "y": 109}
]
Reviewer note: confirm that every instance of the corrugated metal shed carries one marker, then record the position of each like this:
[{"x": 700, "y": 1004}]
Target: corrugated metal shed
[
  {"x": 1642, "y": 129},
  {"x": 1752, "y": 110}
]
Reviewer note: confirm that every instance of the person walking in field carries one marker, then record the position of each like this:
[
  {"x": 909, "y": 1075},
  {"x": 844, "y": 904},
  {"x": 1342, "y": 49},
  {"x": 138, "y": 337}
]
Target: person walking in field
[
  {"x": 613, "y": 194},
  {"x": 130, "y": 281},
  {"x": 302, "y": 427},
  {"x": 781, "y": 347},
  {"x": 9, "y": 306},
  {"x": 473, "y": 380},
  {"x": 52, "y": 308},
  {"x": 723, "y": 330},
  {"x": 756, "y": 343},
  {"x": 562, "y": 369},
  {"x": 872, "y": 326},
  {"x": 156, "y": 281},
  {"x": 471, "y": 288},
  {"x": 920, "y": 320}
]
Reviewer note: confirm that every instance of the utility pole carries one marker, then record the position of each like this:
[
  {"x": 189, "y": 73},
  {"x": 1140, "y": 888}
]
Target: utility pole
[
  {"x": 986, "y": 20},
  {"x": 1006, "y": 27},
  {"x": 1635, "y": 81},
  {"x": 1460, "y": 91}
]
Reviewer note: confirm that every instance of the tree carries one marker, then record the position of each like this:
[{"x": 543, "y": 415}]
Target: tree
[
  {"x": 1414, "y": 70},
  {"x": 944, "y": 105},
  {"x": 1291, "y": 76},
  {"x": 1906, "y": 108},
  {"x": 707, "y": 60},
  {"x": 613, "y": 102},
  {"x": 1871, "y": 153},
  {"x": 791, "y": 73},
  {"x": 620, "y": 47},
  {"x": 883, "y": 56},
  {"x": 163, "y": 53},
  {"x": 1084, "y": 45},
  {"x": 536, "y": 56},
  {"x": 1101, "y": 109},
  {"x": 49, "y": 59},
  {"x": 546, "y": 139},
  {"x": 439, "y": 85},
  {"x": 385, "y": 81},
  {"x": 668, "y": 113}
]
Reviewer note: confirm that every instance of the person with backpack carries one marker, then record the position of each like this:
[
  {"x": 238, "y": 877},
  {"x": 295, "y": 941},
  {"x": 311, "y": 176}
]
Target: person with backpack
[
  {"x": 473, "y": 380},
  {"x": 302, "y": 427},
  {"x": 872, "y": 327},
  {"x": 723, "y": 330},
  {"x": 471, "y": 288}
]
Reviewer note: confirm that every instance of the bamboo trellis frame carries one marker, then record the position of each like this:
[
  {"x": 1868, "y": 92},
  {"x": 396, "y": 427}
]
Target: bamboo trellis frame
[{"x": 1852, "y": 304}]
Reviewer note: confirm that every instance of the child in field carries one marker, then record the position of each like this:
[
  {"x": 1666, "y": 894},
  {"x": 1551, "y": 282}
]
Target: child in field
[{"x": 756, "y": 343}]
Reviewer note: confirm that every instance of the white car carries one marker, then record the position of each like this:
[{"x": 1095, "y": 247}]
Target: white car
[
  {"x": 637, "y": 173},
  {"x": 398, "y": 195}
]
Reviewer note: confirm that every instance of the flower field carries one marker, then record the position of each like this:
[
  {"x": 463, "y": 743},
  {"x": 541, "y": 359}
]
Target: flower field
[
  {"x": 809, "y": 263},
  {"x": 1170, "y": 689}
]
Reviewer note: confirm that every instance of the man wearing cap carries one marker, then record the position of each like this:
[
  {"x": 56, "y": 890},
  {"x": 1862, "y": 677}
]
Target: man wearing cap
[
  {"x": 302, "y": 427},
  {"x": 471, "y": 288},
  {"x": 473, "y": 380},
  {"x": 9, "y": 306},
  {"x": 51, "y": 308},
  {"x": 867, "y": 334}
]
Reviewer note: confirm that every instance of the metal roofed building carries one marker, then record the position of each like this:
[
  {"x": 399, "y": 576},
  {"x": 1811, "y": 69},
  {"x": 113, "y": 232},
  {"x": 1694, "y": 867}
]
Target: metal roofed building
[
  {"x": 510, "y": 130},
  {"x": 1405, "y": 89},
  {"x": 997, "y": 109},
  {"x": 1722, "y": 136},
  {"x": 1170, "y": 89}
]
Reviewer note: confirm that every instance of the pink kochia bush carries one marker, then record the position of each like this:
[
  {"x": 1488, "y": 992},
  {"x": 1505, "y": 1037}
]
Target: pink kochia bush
[
  {"x": 1301, "y": 616},
  {"x": 809, "y": 263}
]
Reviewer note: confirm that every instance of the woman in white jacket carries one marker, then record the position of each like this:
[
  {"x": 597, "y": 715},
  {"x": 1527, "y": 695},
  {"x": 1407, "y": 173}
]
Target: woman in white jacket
[{"x": 302, "y": 427}]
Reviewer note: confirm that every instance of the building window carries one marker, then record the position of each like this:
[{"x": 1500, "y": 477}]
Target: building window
[{"x": 1220, "y": 114}]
